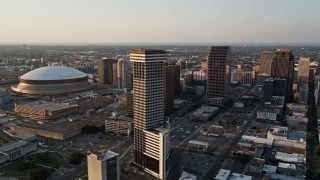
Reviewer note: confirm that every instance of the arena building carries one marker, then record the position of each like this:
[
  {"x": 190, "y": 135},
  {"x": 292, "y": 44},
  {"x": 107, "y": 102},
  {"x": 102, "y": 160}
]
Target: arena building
[{"x": 52, "y": 80}]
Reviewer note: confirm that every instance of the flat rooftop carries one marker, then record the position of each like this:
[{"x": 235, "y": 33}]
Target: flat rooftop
[
  {"x": 104, "y": 156},
  {"x": 21, "y": 135},
  {"x": 12, "y": 145},
  {"x": 286, "y": 166},
  {"x": 198, "y": 142},
  {"x": 49, "y": 106},
  {"x": 64, "y": 126},
  {"x": 205, "y": 110},
  {"x": 179, "y": 101},
  {"x": 223, "y": 174},
  {"x": 147, "y": 51}
]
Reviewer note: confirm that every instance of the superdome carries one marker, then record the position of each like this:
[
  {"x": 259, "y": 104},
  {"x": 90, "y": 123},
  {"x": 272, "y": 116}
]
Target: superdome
[
  {"x": 52, "y": 80},
  {"x": 53, "y": 73}
]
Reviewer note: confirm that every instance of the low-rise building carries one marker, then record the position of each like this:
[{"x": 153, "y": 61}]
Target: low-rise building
[
  {"x": 225, "y": 174},
  {"x": 290, "y": 157},
  {"x": 296, "y": 108},
  {"x": 255, "y": 167},
  {"x": 119, "y": 124},
  {"x": 296, "y": 122},
  {"x": 20, "y": 135},
  {"x": 283, "y": 137},
  {"x": 291, "y": 169},
  {"x": 179, "y": 103},
  {"x": 187, "y": 176},
  {"x": 197, "y": 145},
  {"x": 268, "y": 114},
  {"x": 203, "y": 113},
  {"x": 16, "y": 149},
  {"x": 269, "y": 169}
]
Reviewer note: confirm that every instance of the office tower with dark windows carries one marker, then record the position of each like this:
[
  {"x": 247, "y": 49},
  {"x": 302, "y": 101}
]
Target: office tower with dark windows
[
  {"x": 103, "y": 166},
  {"x": 283, "y": 67},
  {"x": 274, "y": 87},
  {"x": 303, "y": 70},
  {"x": 266, "y": 58},
  {"x": 170, "y": 87},
  {"x": 106, "y": 68},
  {"x": 176, "y": 72},
  {"x": 151, "y": 135},
  {"x": 219, "y": 76}
]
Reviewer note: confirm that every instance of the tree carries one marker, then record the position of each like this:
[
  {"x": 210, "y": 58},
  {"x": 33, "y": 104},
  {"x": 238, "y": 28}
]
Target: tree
[{"x": 75, "y": 158}]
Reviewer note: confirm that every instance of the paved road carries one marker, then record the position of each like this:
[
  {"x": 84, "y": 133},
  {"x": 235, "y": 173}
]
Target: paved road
[{"x": 225, "y": 154}]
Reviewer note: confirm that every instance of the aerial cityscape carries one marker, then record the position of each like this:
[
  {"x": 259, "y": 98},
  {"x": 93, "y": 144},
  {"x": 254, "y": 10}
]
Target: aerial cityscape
[{"x": 160, "y": 90}]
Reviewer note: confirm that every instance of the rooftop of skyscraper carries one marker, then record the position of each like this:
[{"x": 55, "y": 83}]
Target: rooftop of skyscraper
[
  {"x": 283, "y": 50},
  {"x": 147, "y": 51}
]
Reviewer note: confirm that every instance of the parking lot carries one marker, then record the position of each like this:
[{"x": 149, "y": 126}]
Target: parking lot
[
  {"x": 86, "y": 143},
  {"x": 195, "y": 163}
]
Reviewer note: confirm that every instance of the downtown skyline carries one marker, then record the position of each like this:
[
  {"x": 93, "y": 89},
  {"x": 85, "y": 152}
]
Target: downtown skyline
[{"x": 159, "y": 22}]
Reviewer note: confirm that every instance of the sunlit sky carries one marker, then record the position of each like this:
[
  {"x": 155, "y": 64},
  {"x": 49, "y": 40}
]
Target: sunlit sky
[{"x": 159, "y": 21}]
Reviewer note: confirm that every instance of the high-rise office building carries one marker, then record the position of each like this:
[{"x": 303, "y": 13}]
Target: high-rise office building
[
  {"x": 260, "y": 78},
  {"x": 219, "y": 75},
  {"x": 103, "y": 167},
  {"x": 106, "y": 70},
  {"x": 247, "y": 78},
  {"x": 177, "y": 86},
  {"x": 124, "y": 73},
  {"x": 169, "y": 75},
  {"x": 274, "y": 87},
  {"x": 266, "y": 58},
  {"x": 303, "y": 70},
  {"x": 303, "y": 93},
  {"x": 115, "y": 74},
  {"x": 151, "y": 139},
  {"x": 283, "y": 67}
]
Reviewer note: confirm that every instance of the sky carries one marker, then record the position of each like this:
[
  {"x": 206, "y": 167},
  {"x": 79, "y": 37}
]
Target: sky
[{"x": 159, "y": 21}]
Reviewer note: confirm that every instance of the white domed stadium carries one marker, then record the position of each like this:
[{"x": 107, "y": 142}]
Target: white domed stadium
[{"x": 52, "y": 80}]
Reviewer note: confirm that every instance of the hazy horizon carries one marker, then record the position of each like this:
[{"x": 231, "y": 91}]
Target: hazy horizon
[{"x": 159, "y": 22}]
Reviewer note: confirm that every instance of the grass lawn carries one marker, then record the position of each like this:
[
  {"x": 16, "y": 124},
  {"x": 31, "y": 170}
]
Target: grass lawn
[
  {"x": 21, "y": 168},
  {"x": 49, "y": 143},
  {"x": 47, "y": 160},
  {"x": 30, "y": 166}
]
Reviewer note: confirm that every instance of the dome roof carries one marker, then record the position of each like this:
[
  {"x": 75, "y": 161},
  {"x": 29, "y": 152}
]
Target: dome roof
[{"x": 53, "y": 73}]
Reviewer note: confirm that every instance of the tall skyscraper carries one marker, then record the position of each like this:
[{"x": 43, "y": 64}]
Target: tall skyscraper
[
  {"x": 303, "y": 70},
  {"x": 106, "y": 71},
  {"x": 124, "y": 70},
  {"x": 303, "y": 93},
  {"x": 177, "y": 86},
  {"x": 115, "y": 74},
  {"x": 247, "y": 78},
  {"x": 103, "y": 167},
  {"x": 274, "y": 87},
  {"x": 283, "y": 67},
  {"x": 266, "y": 58},
  {"x": 219, "y": 75},
  {"x": 151, "y": 140},
  {"x": 169, "y": 89}
]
